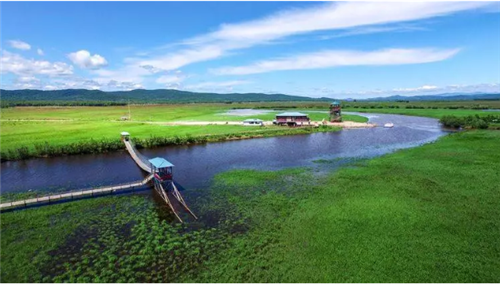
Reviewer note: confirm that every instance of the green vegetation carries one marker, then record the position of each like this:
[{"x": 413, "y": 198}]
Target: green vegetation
[
  {"x": 456, "y": 104},
  {"x": 426, "y": 108},
  {"x": 434, "y": 113},
  {"x": 50, "y": 131},
  {"x": 427, "y": 214},
  {"x": 92, "y": 146},
  {"x": 476, "y": 121},
  {"x": 140, "y": 96},
  {"x": 406, "y": 217},
  {"x": 110, "y": 239},
  {"x": 411, "y": 216}
]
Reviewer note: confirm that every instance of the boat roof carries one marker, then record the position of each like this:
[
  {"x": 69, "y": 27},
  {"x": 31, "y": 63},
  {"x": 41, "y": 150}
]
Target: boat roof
[
  {"x": 160, "y": 163},
  {"x": 336, "y": 103},
  {"x": 125, "y": 133},
  {"x": 252, "y": 119},
  {"x": 292, "y": 114}
]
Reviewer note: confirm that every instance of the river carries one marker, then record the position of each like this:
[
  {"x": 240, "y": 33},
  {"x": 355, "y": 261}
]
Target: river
[{"x": 195, "y": 165}]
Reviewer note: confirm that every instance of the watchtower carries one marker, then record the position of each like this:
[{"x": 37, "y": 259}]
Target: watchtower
[
  {"x": 162, "y": 169},
  {"x": 335, "y": 112}
]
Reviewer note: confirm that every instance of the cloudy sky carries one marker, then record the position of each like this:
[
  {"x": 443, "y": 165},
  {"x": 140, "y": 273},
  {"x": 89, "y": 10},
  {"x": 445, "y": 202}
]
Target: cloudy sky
[{"x": 345, "y": 49}]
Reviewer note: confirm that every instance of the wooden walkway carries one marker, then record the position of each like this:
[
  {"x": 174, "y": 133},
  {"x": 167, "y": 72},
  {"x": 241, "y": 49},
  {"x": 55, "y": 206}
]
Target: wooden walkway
[
  {"x": 139, "y": 159},
  {"x": 75, "y": 194}
]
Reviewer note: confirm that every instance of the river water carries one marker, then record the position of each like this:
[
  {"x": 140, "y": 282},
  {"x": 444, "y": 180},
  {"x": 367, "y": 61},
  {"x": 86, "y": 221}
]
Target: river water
[{"x": 195, "y": 165}]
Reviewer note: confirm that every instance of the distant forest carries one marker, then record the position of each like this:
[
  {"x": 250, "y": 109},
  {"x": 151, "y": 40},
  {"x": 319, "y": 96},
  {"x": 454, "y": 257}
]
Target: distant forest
[
  {"x": 82, "y": 97},
  {"x": 77, "y": 97}
]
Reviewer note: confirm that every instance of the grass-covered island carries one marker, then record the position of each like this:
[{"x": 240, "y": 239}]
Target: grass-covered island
[{"x": 427, "y": 214}]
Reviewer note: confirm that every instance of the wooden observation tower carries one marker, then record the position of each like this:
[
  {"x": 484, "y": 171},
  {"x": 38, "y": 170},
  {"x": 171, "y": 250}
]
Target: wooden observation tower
[{"x": 335, "y": 112}]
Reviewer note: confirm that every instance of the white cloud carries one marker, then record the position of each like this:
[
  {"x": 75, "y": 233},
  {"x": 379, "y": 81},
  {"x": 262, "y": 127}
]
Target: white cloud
[
  {"x": 322, "y": 17},
  {"x": 27, "y": 82},
  {"x": 337, "y": 16},
  {"x": 16, "y": 64},
  {"x": 27, "y": 79},
  {"x": 221, "y": 86},
  {"x": 331, "y": 16},
  {"x": 17, "y": 44},
  {"x": 372, "y": 30},
  {"x": 407, "y": 91},
  {"x": 39, "y": 51},
  {"x": 123, "y": 85},
  {"x": 169, "y": 79},
  {"x": 133, "y": 74},
  {"x": 85, "y": 60},
  {"x": 174, "y": 61},
  {"x": 422, "y": 88},
  {"x": 335, "y": 58}
]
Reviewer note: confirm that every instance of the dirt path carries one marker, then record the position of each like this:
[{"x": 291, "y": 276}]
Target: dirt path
[{"x": 345, "y": 124}]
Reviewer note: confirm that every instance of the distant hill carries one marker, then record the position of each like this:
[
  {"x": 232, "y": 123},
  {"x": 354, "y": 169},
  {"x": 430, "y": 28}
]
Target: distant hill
[
  {"x": 97, "y": 97},
  {"x": 439, "y": 97},
  {"x": 144, "y": 96}
]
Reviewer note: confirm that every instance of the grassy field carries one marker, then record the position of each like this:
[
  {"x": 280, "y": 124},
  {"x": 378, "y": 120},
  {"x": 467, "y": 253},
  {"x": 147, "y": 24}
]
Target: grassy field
[
  {"x": 59, "y": 126},
  {"x": 435, "y": 113},
  {"x": 142, "y": 113},
  {"x": 427, "y": 214},
  {"x": 479, "y": 104}
]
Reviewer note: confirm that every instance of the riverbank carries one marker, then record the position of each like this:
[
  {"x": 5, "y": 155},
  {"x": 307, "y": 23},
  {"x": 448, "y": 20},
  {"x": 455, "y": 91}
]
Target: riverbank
[
  {"x": 344, "y": 124},
  {"x": 29, "y": 150},
  {"x": 30, "y": 132},
  {"x": 426, "y": 214},
  {"x": 434, "y": 113}
]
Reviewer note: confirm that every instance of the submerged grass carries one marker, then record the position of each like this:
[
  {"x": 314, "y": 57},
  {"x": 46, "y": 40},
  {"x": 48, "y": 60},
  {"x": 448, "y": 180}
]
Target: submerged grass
[
  {"x": 420, "y": 215},
  {"x": 427, "y": 214}
]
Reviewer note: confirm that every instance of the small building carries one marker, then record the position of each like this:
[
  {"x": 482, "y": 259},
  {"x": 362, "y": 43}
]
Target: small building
[
  {"x": 253, "y": 122},
  {"x": 292, "y": 119},
  {"x": 125, "y": 136},
  {"x": 335, "y": 112},
  {"x": 161, "y": 168}
]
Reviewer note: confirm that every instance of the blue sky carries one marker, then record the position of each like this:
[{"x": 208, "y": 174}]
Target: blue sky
[{"x": 346, "y": 49}]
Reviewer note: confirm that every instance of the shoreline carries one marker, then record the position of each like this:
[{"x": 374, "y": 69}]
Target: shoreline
[
  {"x": 344, "y": 124},
  {"x": 46, "y": 150}
]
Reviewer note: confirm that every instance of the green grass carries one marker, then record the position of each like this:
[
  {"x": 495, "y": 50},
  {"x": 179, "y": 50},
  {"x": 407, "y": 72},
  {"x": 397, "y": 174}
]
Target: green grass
[
  {"x": 141, "y": 113},
  {"x": 474, "y": 104},
  {"x": 434, "y": 113},
  {"x": 421, "y": 215},
  {"x": 81, "y": 124},
  {"x": 427, "y": 214}
]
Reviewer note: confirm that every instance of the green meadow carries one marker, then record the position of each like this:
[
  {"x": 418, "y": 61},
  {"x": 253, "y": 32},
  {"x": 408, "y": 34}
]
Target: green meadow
[
  {"x": 23, "y": 128},
  {"x": 427, "y": 214},
  {"x": 434, "y": 113}
]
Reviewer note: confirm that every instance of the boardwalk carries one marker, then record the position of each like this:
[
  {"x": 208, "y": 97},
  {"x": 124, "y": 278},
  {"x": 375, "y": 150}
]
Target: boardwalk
[
  {"x": 139, "y": 159},
  {"x": 74, "y": 194}
]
